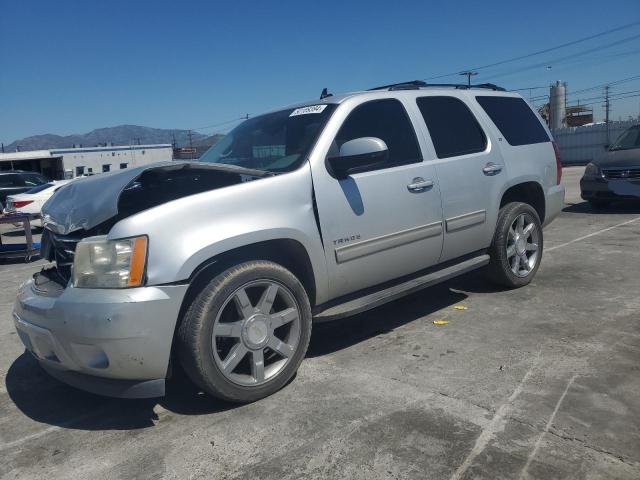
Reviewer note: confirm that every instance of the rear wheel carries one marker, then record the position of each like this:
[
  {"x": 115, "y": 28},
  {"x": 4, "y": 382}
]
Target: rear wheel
[
  {"x": 246, "y": 333},
  {"x": 517, "y": 245}
]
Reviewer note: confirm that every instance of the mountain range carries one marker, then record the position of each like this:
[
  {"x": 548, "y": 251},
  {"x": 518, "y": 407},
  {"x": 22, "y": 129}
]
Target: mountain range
[{"x": 119, "y": 135}]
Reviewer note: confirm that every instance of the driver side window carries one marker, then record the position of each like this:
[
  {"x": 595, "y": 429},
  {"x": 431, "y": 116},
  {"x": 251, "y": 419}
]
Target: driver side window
[{"x": 385, "y": 119}]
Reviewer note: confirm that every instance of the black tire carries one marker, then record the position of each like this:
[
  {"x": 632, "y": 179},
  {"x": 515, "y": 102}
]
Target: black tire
[
  {"x": 499, "y": 270},
  {"x": 195, "y": 333},
  {"x": 598, "y": 203}
]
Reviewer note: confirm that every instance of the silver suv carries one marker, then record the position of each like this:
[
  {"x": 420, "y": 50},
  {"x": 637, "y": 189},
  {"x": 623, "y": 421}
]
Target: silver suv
[{"x": 309, "y": 213}]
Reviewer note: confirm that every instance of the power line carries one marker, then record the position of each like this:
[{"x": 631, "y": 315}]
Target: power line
[
  {"x": 540, "y": 52},
  {"x": 567, "y": 57}
]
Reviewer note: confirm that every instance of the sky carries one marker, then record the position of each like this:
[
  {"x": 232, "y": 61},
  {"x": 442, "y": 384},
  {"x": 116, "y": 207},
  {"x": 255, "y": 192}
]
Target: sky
[{"x": 70, "y": 66}]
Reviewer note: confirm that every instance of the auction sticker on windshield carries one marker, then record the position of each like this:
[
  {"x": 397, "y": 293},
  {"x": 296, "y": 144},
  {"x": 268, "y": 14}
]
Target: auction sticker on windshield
[{"x": 308, "y": 110}]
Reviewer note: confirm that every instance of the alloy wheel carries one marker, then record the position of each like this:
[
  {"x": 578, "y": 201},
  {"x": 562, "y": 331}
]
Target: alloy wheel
[
  {"x": 522, "y": 245},
  {"x": 256, "y": 332}
]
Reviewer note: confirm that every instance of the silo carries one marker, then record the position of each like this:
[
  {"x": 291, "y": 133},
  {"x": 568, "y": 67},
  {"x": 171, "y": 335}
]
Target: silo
[{"x": 557, "y": 102}]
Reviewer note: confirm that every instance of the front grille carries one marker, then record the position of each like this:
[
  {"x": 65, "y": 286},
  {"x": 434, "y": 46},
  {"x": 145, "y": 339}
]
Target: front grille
[
  {"x": 621, "y": 173},
  {"x": 61, "y": 250}
]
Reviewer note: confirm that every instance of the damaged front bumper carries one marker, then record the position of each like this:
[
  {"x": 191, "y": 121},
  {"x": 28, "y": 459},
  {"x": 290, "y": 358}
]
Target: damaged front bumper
[{"x": 110, "y": 342}]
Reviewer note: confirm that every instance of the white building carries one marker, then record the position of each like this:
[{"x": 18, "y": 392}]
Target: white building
[{"x": 59, "y": 163}]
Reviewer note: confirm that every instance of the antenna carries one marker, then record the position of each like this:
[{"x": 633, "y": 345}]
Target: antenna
[{"x": 325, "y": 93}]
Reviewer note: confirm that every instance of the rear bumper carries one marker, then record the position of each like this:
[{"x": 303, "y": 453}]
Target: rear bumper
[
  {"x": 110, "y": 342},
  {"x": 554, "y": 203},
  {"x": 598, "y": 188}
]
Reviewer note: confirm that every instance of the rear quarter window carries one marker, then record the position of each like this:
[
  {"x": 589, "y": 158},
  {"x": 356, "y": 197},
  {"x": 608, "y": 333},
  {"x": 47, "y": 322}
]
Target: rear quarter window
[{"x": 515, "y": 120}]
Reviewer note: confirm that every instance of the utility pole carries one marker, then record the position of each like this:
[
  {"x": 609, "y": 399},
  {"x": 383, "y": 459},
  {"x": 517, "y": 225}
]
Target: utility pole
[
  {"x": 3, "y": 148},
  {"x": 190, "y": 145},
  {"x": 607, "y": 108},
  {"x": 468, "y": 74}
]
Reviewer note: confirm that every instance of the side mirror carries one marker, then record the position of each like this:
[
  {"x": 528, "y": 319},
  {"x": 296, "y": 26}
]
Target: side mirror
[{"x": 359, "y": 155}]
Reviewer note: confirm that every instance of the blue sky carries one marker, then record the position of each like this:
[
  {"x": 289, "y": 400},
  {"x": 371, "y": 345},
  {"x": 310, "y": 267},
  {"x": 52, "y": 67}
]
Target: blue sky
[{"x": 72, "y": 66}]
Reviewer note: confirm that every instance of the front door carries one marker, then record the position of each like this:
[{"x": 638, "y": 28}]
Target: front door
[{"x": 384, "y": 223}]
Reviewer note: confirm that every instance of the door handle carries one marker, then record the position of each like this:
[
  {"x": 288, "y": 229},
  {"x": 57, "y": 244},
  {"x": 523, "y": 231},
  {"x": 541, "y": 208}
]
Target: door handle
[
  {"x": 419, "y": 184},
  {"x": 492, "y": 169}
]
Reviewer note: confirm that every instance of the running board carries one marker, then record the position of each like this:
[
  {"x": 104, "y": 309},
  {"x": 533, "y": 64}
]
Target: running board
[{"x": 380, "y": 297}]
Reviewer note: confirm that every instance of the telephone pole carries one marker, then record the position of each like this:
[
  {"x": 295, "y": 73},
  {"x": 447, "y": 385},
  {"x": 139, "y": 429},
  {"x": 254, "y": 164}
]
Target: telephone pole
[
  {"x": 190, "y": 145},
  {"x": 468, "y": 74},
  {"x": 607, "y": 110}
]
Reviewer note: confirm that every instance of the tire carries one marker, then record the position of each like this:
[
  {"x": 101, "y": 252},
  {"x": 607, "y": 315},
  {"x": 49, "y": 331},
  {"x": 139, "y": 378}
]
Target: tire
[
  {"x": 258, "y": 316},
  {"x": 598, "y": 203},
  {"x": 515, "y": 258}
]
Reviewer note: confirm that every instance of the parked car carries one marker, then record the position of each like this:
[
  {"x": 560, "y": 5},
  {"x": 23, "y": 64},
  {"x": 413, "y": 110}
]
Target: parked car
[
  {"x": 18, "y": 181},
  {"x": 32, "y": 200},
  {"x": 312, "y": 212},
  {"x": 617, "y": 175}
]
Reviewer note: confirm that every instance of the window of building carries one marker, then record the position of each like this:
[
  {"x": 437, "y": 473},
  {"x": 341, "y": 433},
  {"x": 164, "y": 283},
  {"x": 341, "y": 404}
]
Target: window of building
[
  {"x": 143, "y": 152},
  {"x": 123, "y": 166},
  {"x": 453, "y": 128},
  {"x": 90, "y": 170},
  {"x": 79, "y": 171},
  {"x": 387, "y": 120},
  {"x": 515, "y": 120},
  {"x": 106, "y": 168},
  {"x": 113, "y": 154}
]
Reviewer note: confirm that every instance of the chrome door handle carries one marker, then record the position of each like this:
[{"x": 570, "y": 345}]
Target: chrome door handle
[
  {"x": 492, "y": 169},
  {"x": 419, "y": 184}
]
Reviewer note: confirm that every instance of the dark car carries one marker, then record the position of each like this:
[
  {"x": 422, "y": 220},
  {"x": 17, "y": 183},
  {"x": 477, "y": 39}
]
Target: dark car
[
  {"x": 617, "y": 175},
  {"x": 16, "y": 181}
]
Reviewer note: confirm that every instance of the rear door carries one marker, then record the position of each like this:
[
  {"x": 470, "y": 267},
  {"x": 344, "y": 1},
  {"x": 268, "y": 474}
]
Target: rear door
[
  {"x": 470, "y": 169},
  {"x": 376, "y": 226}
]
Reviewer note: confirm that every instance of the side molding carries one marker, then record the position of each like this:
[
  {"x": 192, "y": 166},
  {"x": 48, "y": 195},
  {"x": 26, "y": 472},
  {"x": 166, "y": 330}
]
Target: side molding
[
  {"x": 385, "y": 242},
  {"x": 466, "y": 220}
]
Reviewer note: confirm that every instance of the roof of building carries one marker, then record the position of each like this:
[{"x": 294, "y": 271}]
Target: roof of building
[{"x": 58, "y": 152}]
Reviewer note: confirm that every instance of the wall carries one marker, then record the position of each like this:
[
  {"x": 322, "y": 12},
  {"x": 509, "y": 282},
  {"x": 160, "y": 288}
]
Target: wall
[
  {"x": 94, "y": 159},
  {"x": 581, "y": 145}
]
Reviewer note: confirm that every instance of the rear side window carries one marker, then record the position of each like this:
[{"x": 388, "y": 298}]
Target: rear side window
[
  {"x": 453, "y": 128},
  {"x": 515, "y": 120},
  {"x": 387, "y": 120},
  {"x": 32, "y": 180},
  {"x": 11, "y": 180},
  {"x": 40, "y": 188}
]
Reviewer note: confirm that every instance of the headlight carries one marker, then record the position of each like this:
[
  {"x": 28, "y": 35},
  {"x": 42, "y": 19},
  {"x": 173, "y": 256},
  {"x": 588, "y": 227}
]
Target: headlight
[
  {"x": 101, "y": 263},
  {"x": 592, "y": 170}
]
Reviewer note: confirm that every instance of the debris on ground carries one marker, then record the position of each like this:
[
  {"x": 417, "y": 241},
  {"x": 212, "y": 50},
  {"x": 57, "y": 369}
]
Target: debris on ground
[
  {"x": 440, "y": 322},
  {"x": 460, "y": 307}
]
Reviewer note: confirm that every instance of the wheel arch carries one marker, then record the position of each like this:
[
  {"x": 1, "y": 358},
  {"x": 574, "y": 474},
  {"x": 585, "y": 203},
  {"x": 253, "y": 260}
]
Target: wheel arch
[{"x": 526, "y": 191}]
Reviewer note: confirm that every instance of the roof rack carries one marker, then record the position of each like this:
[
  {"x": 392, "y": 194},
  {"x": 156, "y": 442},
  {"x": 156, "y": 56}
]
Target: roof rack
[{"x": 417, "y": 84}]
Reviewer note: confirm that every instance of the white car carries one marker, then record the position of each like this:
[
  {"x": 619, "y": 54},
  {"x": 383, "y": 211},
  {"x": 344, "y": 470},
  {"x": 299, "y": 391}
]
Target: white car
[{"x": 32, "y": 200}]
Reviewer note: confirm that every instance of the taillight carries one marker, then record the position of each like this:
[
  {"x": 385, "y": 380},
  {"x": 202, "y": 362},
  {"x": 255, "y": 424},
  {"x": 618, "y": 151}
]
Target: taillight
[
  {"x": 558, "y": 163},
  {"x": 20, "y": 204}
]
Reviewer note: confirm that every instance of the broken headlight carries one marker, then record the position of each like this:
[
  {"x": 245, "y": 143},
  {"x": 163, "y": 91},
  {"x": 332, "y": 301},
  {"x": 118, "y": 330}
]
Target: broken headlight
[{"x": 102, "y": 263}]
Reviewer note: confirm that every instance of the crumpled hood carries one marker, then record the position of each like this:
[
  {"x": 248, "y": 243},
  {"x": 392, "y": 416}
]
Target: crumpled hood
[{"x": 91, "y": 201}]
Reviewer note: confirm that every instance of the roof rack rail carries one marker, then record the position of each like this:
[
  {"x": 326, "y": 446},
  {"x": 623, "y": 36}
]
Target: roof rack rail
[{"x": 416, "y": 84}]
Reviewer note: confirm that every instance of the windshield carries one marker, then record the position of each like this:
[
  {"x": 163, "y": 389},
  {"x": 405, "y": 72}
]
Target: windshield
[
  {"x": 275, "y": 142},
  {"x": 40, "y": 188},
  {"x": 629, "y": 139}
]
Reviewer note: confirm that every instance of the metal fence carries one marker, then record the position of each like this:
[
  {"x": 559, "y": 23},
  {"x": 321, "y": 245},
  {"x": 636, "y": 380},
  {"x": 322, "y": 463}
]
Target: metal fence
[{"x": 581, "y": 145}]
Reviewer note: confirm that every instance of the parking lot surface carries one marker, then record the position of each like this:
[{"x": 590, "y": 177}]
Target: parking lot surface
[{"x": 541, "y": 382}]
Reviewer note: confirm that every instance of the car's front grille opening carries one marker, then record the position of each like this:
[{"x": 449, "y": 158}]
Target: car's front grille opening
[
  {"x": 61, "y": 250},
  {"x": 621, "y": 173}
]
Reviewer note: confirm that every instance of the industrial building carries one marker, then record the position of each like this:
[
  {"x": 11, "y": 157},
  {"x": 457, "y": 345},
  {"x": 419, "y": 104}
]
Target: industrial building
[{"x": 66, "y": 163}]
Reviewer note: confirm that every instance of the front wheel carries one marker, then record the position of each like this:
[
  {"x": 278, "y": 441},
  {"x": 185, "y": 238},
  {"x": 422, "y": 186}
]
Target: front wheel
[
  {"x": 246, "y": 333},
  {"x": 517, "y": 245}
]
